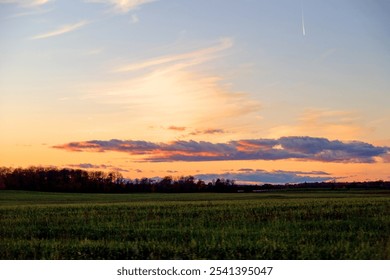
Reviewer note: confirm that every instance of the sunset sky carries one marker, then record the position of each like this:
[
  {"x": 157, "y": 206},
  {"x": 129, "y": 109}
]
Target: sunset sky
[{"x": 261, "y": 91}]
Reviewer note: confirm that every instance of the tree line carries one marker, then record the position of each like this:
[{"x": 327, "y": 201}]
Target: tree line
[
  {"x": 53, "y": 179},
  {"x": 77, "y": 180}
]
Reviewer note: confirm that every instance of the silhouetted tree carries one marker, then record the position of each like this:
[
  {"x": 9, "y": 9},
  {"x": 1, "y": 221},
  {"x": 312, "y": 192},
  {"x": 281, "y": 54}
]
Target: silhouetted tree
[{"x": 76, "y": 180}]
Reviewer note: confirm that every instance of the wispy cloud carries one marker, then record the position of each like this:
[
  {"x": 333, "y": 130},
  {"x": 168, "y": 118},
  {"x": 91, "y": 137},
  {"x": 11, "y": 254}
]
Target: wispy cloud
[
  {"x": 26, "y": 3},
  {"x": 97, "y": 166},
  {"x": 271, "y": 177},
  {"x": 123, "y": 6},
  {"x": 301, "y": 148},
  {"x": 185, "y": 59},
  {"x": 29, "y": 7},
  {"x": 197, "y": 131},
  {"x": 207, "y": 131},
  {"x": 34, "y": 12},
  {"x": 61, "y": 30},
  {"x": 171, "y": 87},
  {"x": 177, "y": 128},
  {"x": 87, "y": 166}
]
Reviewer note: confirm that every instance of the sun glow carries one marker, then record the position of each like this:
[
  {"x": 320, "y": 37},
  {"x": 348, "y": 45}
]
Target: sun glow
[{"x": 151, "y": 88}]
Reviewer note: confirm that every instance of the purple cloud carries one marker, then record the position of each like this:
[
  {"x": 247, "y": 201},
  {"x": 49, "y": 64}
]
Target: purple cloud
[
  {"x": 177, "y": 128},
  {"x": 301, "y": 148},
  {"x": 207, "y": 131},
  {"x": 97, "y": 166},
  {"x": 266, "y": 177}
]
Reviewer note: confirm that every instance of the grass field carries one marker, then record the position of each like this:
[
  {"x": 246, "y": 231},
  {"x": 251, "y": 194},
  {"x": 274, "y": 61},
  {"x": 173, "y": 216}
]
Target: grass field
[{"x": 279, "y": 225}]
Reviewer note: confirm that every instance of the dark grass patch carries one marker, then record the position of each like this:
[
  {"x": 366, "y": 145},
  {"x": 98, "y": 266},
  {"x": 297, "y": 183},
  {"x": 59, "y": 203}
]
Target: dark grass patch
[{"x": 194, "y": 226}]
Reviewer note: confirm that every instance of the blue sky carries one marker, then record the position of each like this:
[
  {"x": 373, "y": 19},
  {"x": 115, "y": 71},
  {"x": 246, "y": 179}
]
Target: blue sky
[{"x": 216, "y": 72}]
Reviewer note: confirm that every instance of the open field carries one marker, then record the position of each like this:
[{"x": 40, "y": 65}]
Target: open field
[{"x": 278, "y": 225}]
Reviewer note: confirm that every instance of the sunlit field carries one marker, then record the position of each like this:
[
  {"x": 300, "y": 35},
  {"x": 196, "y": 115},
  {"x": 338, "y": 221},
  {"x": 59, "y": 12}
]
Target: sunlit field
[{"x": 278, "y": 225}]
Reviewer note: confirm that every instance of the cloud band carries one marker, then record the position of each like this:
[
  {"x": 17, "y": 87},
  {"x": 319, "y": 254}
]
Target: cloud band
[{"x": 301, "y": 148}]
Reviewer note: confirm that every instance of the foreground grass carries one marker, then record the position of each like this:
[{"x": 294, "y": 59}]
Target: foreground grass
[{"x": 285, "y": 225}]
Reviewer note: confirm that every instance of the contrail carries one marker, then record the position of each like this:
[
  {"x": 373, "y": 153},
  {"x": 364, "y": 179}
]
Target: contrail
[{"x": 303, "y": 21}]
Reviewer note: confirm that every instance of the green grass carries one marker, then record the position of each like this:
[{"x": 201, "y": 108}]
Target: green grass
[{"x": 279, "y": 225}]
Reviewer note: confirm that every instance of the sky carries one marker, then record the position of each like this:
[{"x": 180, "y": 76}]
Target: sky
[{"x": 259, "y": 91}]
